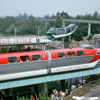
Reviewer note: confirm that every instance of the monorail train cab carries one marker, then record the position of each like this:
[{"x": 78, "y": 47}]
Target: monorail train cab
[{"x": 34, "y": 63}]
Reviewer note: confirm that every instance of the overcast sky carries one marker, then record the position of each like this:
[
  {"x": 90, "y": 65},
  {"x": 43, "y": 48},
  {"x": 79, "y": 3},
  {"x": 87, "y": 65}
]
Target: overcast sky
[{"x": 48, "y": 7}]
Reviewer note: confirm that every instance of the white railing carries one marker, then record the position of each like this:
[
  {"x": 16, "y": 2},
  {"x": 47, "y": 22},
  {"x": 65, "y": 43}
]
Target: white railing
[{"x": 85, "y": 98}]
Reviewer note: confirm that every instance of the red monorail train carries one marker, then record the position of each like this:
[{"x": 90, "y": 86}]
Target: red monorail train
[{"x": 34, "y": 63}]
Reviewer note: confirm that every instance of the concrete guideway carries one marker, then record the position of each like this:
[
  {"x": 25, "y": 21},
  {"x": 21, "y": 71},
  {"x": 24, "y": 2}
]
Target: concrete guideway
[{"x": 72, "y": 21}]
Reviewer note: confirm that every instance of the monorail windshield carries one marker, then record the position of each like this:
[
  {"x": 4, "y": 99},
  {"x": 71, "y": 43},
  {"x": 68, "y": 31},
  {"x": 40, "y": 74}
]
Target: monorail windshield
[
  {"x": 60, "y": 31},
  {"x": 87, "y": 46}
]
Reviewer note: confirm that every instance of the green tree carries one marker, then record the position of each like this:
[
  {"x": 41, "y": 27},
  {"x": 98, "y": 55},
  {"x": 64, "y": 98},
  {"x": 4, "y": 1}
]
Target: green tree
[
  {"x": 65, "y": 15},
  {"x": 58, "y": 22},
  {"x": 96, "y": 15},
  {"x": 43, "y": 96},
  {"x": 81, "y": 31},
  {"x": 10, "y": 30}
]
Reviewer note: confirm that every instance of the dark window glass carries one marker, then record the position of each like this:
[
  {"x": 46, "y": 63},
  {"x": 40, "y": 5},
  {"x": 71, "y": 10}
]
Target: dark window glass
[
  {"x": 79, "y": 53},
  {"x": 68, "y": 30},
  {"x": 36, "y": 57},
  {"x": 12, "y": 59},
  {"x": 70, "y": 53},
  {"x": 24, "y": 58},
  {"x": 61, "y": 54},
  {"x": 98, "y": 52}
]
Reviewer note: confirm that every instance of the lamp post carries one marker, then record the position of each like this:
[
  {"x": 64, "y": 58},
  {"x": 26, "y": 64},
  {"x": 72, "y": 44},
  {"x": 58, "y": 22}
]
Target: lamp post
[
  {"x": 15, "y": 32},
  {"x": 38, "y": 30},
  {"x": 89, "y": 29}
]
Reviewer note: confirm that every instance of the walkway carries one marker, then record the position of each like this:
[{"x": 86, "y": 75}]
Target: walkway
[{"x": 94, "y": 92}]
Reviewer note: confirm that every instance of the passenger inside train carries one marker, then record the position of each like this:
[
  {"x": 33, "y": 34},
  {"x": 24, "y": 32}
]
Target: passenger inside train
[
  {"x": 71, "y": 53},
  {"x": 24, "y": 58}
]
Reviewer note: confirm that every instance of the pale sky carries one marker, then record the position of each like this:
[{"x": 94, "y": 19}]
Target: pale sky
[{"x": 41, "y": 8}]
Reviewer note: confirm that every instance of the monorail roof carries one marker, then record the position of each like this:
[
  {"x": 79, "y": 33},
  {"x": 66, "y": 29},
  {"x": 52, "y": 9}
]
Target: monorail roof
[
  {"x": 24, "y": 41},
  {"x": 27, "y": 43}
]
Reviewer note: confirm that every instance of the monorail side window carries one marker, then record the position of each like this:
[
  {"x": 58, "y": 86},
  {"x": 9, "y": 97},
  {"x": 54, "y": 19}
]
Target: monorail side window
[
  {"x": 98, "y": 52},
  {"x": 79, "y": 53},
  {"x": 24, "y": 58},
  {"x": 70, "y": 53},
  {"x": 61, "y": 54},
  {"x": 12, "y": 59},
  {"x": 36, "y": 57}
]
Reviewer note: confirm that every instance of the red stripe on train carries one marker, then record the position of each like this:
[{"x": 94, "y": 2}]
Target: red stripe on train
[{"x": 95, "y": 58}]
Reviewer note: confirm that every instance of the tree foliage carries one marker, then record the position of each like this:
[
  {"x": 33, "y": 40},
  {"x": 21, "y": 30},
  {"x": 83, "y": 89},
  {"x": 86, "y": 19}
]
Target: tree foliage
[
  {"x": 28, "y": 25},
  {"x": 58, "y": 22}
]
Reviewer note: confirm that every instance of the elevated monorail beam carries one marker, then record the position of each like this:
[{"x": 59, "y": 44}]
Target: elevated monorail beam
[
  {"x": 72, "y": 21},
  {"x": 81, "y": 21}
]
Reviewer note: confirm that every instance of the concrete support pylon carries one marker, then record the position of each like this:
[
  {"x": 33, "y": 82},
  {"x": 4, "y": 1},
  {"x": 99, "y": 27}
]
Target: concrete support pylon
[
  {"x": 43, "y": 47},
  {"x": 46, "y": 24},
  {"x": 69, "y": 38},
  {"x": 62, "y": 43},
  {"x": 89, "y": 29},
  {"x": 63, "y": 24},
  {"x": 45, "y": 87}
]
